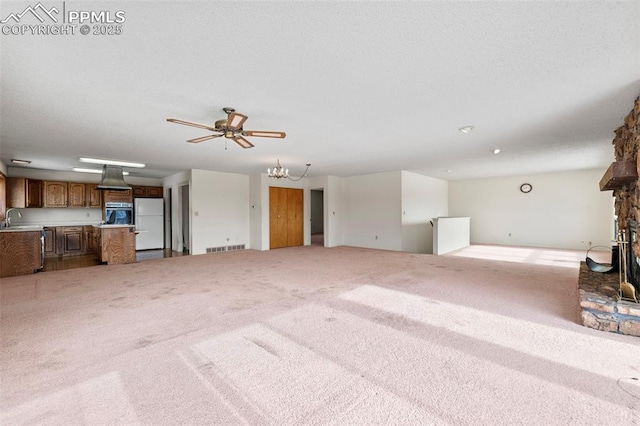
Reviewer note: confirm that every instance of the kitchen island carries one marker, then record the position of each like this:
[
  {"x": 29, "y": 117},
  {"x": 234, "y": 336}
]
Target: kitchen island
[
  {"x": 115, "y": 244},
  {"x": 21, "y": 250}
]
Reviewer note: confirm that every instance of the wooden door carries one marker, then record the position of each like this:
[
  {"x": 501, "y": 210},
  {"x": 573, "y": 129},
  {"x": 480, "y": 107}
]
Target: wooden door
[
  {"x": 295, "y": 211},
  {"x": 285, "y": 217}
]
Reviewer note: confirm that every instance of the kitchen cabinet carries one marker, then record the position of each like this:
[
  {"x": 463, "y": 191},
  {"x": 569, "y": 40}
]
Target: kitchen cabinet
[
  {"x": 77, "y": 195},
  {"x": 93, "y": 196},
  {"x": 115, "y": 244},
  {"x": 110, "y": 195},
  {"x": 50, "y": 246},
  {"x": 147, "y": 191},
  {"x": 55, "y": 194},
  {"x": 21, "y": 252},
  {"x": 24, "y": 193},
  {"x": 72, "y": 239},
  {"x": 84, "y": 195},
  {"x": 89, "y": 243}
]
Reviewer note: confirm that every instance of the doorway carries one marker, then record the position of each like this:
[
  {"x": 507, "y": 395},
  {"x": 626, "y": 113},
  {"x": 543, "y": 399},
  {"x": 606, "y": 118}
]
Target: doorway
[
  {"x": 317, "y": 217},
  {"x": 286, "y": 216},
  {"x": 184, "y": 214}
]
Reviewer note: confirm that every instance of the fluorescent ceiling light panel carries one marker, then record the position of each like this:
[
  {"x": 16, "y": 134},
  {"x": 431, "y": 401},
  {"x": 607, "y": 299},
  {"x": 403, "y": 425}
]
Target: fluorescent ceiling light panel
[
  {"x": 16, "y": 161},
  {"x": 81, "y": 170},
  {"x": 110, "y": 162}
]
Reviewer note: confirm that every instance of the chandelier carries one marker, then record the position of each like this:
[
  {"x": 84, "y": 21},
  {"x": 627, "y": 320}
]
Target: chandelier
[{"x": 279, "y": 172}]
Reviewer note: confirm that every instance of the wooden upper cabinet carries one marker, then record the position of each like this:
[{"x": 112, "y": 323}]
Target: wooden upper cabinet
[
  {"x": 93, "y": 196},
  {"x": 55, "y": 194},
  {"x": 155, "y": 191},
  {"x": 147, "y": 191},
  {"x": 76, "y": 195},
  {"x": 110, "y": 195},
  {"x": 34, "y": 193},
  {"x": 139, "y": 191},
  {"x": 23, "y": 193}
]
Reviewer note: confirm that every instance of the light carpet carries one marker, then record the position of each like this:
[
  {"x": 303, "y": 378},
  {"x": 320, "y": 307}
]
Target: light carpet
[{"x": 310, "y": 335}]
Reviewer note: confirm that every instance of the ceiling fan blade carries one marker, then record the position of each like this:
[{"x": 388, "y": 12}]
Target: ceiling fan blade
[
  {"x": 261, "y": 134},
  {"x": 242, "y": 142},
  {"x": 189, "y": 123},
  {"x": 235, "y": 120},
  {"x": 203, "y": 138}
]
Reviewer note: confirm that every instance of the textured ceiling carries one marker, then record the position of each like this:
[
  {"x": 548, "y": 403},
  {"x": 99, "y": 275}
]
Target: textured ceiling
[{"x": 359, "y": 87}]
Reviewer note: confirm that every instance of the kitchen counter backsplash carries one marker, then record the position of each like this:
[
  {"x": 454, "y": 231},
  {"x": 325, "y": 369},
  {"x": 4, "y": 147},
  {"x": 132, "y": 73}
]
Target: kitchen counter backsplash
[{"x": 57, "y": 217}]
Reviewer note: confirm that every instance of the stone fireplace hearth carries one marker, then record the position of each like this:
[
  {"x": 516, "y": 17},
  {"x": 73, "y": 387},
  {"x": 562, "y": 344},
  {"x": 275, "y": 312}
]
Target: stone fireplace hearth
[{"x": 600, "y": 308}]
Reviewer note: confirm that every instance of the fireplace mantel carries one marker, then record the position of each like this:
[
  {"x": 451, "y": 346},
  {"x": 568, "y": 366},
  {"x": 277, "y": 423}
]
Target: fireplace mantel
[{"x": 618, "y": 174}]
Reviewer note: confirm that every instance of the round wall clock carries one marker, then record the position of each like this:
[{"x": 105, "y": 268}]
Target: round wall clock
[{"x": 526, "y": 187}]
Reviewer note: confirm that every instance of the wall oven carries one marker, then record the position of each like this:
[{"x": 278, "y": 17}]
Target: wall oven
[{"x": 118, "y": 213}]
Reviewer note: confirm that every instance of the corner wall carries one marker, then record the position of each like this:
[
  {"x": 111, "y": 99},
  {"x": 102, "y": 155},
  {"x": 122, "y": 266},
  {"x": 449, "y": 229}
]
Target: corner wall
[
  {"x": 564, "y": 210},
  {"x": 423, "y": 198},
  {"x": 219, "y": 210},
  {"x": 373, "y": 211}
]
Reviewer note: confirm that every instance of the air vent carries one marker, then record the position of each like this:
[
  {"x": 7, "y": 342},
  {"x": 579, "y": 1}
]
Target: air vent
[{"x": 225, "y": 248}]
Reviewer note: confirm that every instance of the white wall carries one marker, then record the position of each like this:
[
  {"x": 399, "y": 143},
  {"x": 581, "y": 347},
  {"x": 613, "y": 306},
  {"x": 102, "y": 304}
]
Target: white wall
[
  {"x": 373, "y": 211},
  {"x": 3, "y": 168},
  {"x": 219, "y": 210},
  {"x": 333, "y": 207},
  {"x": 564, "y": 210},
  {"x": 423, "y": 198}
]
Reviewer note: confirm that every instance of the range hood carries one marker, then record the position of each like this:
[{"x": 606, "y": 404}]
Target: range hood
[{"x": 112, "y": 178}]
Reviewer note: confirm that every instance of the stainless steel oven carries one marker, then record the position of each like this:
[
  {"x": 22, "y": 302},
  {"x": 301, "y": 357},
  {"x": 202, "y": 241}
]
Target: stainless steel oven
[{"x": 118, "y": 213}]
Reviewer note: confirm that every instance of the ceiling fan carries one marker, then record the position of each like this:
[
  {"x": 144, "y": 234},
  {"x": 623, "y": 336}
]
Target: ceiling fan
[{"x": 230, "y": 128}]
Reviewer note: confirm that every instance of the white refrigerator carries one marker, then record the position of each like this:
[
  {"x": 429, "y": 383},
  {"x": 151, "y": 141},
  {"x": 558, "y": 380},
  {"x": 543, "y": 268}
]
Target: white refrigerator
[{"x": 148, "y": 216}]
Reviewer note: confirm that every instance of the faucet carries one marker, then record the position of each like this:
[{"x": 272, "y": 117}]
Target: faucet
[{"x": 7, "y": 219}]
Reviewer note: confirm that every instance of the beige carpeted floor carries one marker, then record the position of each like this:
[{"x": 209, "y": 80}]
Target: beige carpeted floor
[{"x": 310, "y": 335}]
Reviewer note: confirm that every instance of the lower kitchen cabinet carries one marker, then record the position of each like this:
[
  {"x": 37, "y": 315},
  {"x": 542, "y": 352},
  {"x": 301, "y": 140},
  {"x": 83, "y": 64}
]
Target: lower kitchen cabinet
[
  {"x": 72, "y": 237},
  {"x": 50, "y": 245},
  {"x": 68, "y": 240}
]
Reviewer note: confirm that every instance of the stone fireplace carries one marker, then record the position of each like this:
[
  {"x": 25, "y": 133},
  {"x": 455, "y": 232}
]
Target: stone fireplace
[{"x": 599, "y": 292}]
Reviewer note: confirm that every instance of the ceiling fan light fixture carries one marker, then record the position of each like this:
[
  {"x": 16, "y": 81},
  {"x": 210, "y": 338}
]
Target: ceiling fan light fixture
[
  {"x": 236, "y": 120},
  {"x": 229, "y": 134}
]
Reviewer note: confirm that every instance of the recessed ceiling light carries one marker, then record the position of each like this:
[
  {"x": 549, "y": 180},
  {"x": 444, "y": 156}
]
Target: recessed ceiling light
[
  {"x": 466, "y": 129},
  {"x": 81, "y": 170},
  {"x": 496, "y": 151},
  {"x": 16, "y": 161},
  {"x": 110, "y": 162}
]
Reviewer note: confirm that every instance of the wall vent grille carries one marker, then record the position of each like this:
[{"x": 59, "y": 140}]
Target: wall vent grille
[{"x": 225, "y": 248}]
